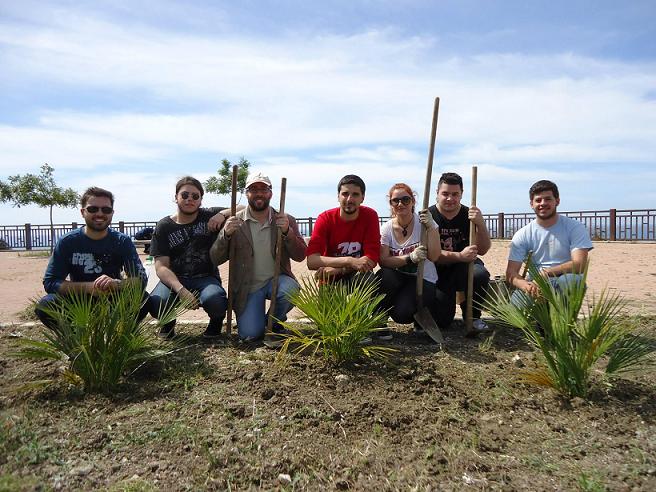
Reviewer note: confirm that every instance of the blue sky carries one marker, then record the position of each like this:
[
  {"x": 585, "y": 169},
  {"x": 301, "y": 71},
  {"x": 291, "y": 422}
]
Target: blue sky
[{"x": 131, "y": 95}]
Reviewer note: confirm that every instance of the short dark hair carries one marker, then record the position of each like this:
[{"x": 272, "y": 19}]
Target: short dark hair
[
  {"x": 351, "y": 179},
  {"x": 188, "y": 180},
  {"x": 450, "y": 179},
  {"x": 95, "y": 191},
  {"x": 542, "y": 186}
]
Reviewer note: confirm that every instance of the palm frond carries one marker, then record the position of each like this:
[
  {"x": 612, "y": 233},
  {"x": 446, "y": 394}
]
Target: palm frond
[
  {"x": 343, "y": 315},
  {"x": 100, "y": 337},
  {"x": 571, "y": 345}
]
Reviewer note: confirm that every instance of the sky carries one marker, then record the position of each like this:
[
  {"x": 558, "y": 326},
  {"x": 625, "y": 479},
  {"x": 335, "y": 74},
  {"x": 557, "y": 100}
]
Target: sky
[{"x": 131, "y": 95}]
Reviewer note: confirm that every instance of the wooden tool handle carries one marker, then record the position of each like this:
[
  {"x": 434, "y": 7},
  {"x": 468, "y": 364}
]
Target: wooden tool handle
[
  {"x": 277, "y": 266},
  {"x": 427, "y": 184},
  {"x": 233, "y": 211},
  {"x": 469, "y": 323}
]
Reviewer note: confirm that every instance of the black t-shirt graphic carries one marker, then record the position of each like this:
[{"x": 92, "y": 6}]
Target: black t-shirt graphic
[{"x": 187, "y": 245}]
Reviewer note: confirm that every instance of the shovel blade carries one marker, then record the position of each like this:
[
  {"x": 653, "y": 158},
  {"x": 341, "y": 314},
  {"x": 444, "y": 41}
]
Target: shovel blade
[{"x": 425, "y": 320}]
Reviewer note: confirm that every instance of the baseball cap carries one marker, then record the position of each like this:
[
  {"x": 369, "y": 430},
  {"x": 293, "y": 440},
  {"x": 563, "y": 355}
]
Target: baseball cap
[{"x": 258, "y": 178}]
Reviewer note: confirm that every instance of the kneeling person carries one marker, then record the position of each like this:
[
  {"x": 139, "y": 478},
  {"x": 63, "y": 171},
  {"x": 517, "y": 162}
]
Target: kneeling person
[
  {"x": 559, "y": 244},
  {"x": 401, "y": 251},
  {"x": 91, "y": 259},
  {"x": 254, "y": 231},
  {"x": 181, "y": 247}
]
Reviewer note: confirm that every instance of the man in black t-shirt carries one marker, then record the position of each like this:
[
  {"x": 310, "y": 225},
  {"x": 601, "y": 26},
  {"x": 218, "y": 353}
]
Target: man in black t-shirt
[
  {"x": 454, "y": 220},
  {"x": 181, "y": 247}
]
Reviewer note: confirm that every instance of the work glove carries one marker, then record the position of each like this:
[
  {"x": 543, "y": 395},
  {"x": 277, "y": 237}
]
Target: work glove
[
  {"x": 427, "y": 220},
  {"x": 418, "y": 254}
]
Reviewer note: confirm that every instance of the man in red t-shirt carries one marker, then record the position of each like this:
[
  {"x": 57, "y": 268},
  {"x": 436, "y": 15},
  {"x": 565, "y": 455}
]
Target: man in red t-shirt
[{"x": 346, "y": 239}]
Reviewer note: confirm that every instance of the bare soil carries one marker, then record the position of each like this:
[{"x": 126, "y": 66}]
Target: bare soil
[{"x": 224, "y": 416}]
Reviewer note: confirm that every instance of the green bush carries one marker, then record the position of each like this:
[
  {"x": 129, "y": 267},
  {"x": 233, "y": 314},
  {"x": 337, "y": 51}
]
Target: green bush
[
  {"x": 344, "y": 316},
  {"x": 571, "y": 345},
  {"x": 99, "y": 338}
]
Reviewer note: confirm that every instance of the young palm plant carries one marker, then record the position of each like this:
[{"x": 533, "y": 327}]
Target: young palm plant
[
  {"x": 344, "y": 316},
  {"x": 571, "y": 345},
  {"x": 99, "y": 338}
]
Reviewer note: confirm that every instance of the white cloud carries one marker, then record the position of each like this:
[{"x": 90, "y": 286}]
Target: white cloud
[{"x": 313, "y": 108}]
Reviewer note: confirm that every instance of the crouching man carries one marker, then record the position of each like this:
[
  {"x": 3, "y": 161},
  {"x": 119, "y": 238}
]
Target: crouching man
[
  {"x": 91, "y": 259},
  {"x": 254, "y": 231},
  {"x": 181, "y": 247},
  {"x": 559, "y": 244}
]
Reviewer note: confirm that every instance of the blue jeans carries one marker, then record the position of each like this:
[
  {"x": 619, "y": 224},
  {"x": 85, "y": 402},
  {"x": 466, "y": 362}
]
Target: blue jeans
[
  {"x": 209, "y": 291},
  {"x": 252, "y": 321},
  {"x": 520, "y": 298}
]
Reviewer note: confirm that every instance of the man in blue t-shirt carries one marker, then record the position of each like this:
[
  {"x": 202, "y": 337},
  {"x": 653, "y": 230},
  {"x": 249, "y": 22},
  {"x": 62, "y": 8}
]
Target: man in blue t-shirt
[
  {"x": 559, "y": 244},
  {"x": 91, "y": 259}
]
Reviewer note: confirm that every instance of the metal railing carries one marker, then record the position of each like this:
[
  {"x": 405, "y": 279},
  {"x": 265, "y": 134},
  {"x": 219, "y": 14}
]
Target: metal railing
[{"x": 603, "y": 225}]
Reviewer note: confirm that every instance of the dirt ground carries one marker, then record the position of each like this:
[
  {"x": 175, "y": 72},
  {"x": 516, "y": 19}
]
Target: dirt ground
[
  {"x": 224, "y": 416},
  {"x": 628, "y": 267}
]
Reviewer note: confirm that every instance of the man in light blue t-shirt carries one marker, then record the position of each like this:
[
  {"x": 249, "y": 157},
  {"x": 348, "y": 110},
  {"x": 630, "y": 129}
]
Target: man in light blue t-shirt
[{"x": 559, "y": 244}]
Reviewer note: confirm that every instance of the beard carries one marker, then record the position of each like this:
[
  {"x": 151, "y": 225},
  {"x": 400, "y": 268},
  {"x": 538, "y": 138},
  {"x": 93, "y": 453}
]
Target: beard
[
  {"x": 181, "y": 211},
  {"x": 253, "y": 203},
  {"x": 91, "y": 224}
]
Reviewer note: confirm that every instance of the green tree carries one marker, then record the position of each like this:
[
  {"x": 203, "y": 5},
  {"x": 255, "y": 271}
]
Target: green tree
[
  {"x": 40, "y": 190},
  {"x": 223, "y": 183}
]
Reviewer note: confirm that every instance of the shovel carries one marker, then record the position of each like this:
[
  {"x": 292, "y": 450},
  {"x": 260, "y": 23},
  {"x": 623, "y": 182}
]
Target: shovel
[
  {"x": 270, "y": 341},
  {"x": 469, "y": 323},
  {"x": 423, "y": 316},
  {"x": 233, "y": 211}
]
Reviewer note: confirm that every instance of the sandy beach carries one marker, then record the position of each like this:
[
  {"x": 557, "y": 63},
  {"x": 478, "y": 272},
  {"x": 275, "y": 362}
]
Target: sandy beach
[{"x": 627, "y": 267}]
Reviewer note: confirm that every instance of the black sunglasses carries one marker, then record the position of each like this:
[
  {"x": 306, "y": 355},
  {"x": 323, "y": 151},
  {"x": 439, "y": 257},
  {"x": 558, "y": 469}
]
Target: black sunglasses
[
  {"x": 186, "y": 194},
  {"x": 92, "y": 209},
  {"x": 405, "y": 200}
]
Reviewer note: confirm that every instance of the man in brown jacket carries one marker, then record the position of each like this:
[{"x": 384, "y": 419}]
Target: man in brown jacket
[{"x": 255, "y": 230}]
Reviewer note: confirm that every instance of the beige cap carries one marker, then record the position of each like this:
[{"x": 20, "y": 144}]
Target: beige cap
[{"x": 258, "y": 178}]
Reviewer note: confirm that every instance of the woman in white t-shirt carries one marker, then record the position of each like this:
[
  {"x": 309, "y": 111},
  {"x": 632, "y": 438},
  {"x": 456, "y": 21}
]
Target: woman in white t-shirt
[{"x": 401, "y": 251}]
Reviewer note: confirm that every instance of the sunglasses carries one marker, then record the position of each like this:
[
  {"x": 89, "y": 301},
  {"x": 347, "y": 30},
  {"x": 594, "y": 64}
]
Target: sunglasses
[
  {"x": 186, "y": 194},
  {"x": 405, "y": 200},
  {"x": 92, "y": 209}
]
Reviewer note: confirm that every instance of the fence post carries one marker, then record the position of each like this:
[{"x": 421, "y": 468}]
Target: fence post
[
  {"x": 310, "y": 226},
  {"x": 612, "y": 218},
  {"x": 500, "y": 230},
  {"x": 28, "y": 236},
  {"x": 73, "y": 225},
  {"x": 121, "y": 226}
]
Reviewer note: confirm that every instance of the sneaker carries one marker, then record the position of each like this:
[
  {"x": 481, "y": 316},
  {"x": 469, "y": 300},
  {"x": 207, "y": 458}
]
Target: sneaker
[
  {"x": 167, "y": 332},
  {"x": 213, "y": 329},
  {"x": 250, "y": 341},
  {"x": 278, "y": 329},
  {"x": 384, "y": 334},
  {"x": 480, "y": 326}
]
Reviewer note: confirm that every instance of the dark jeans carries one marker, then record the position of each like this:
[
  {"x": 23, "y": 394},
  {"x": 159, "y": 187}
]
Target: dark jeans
[
  {"x": 51, "y": 323},
  {"x": 400, "y": 288},
  {"x": 453, "y": 278},
  {"x": 210, "y": 292}
]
